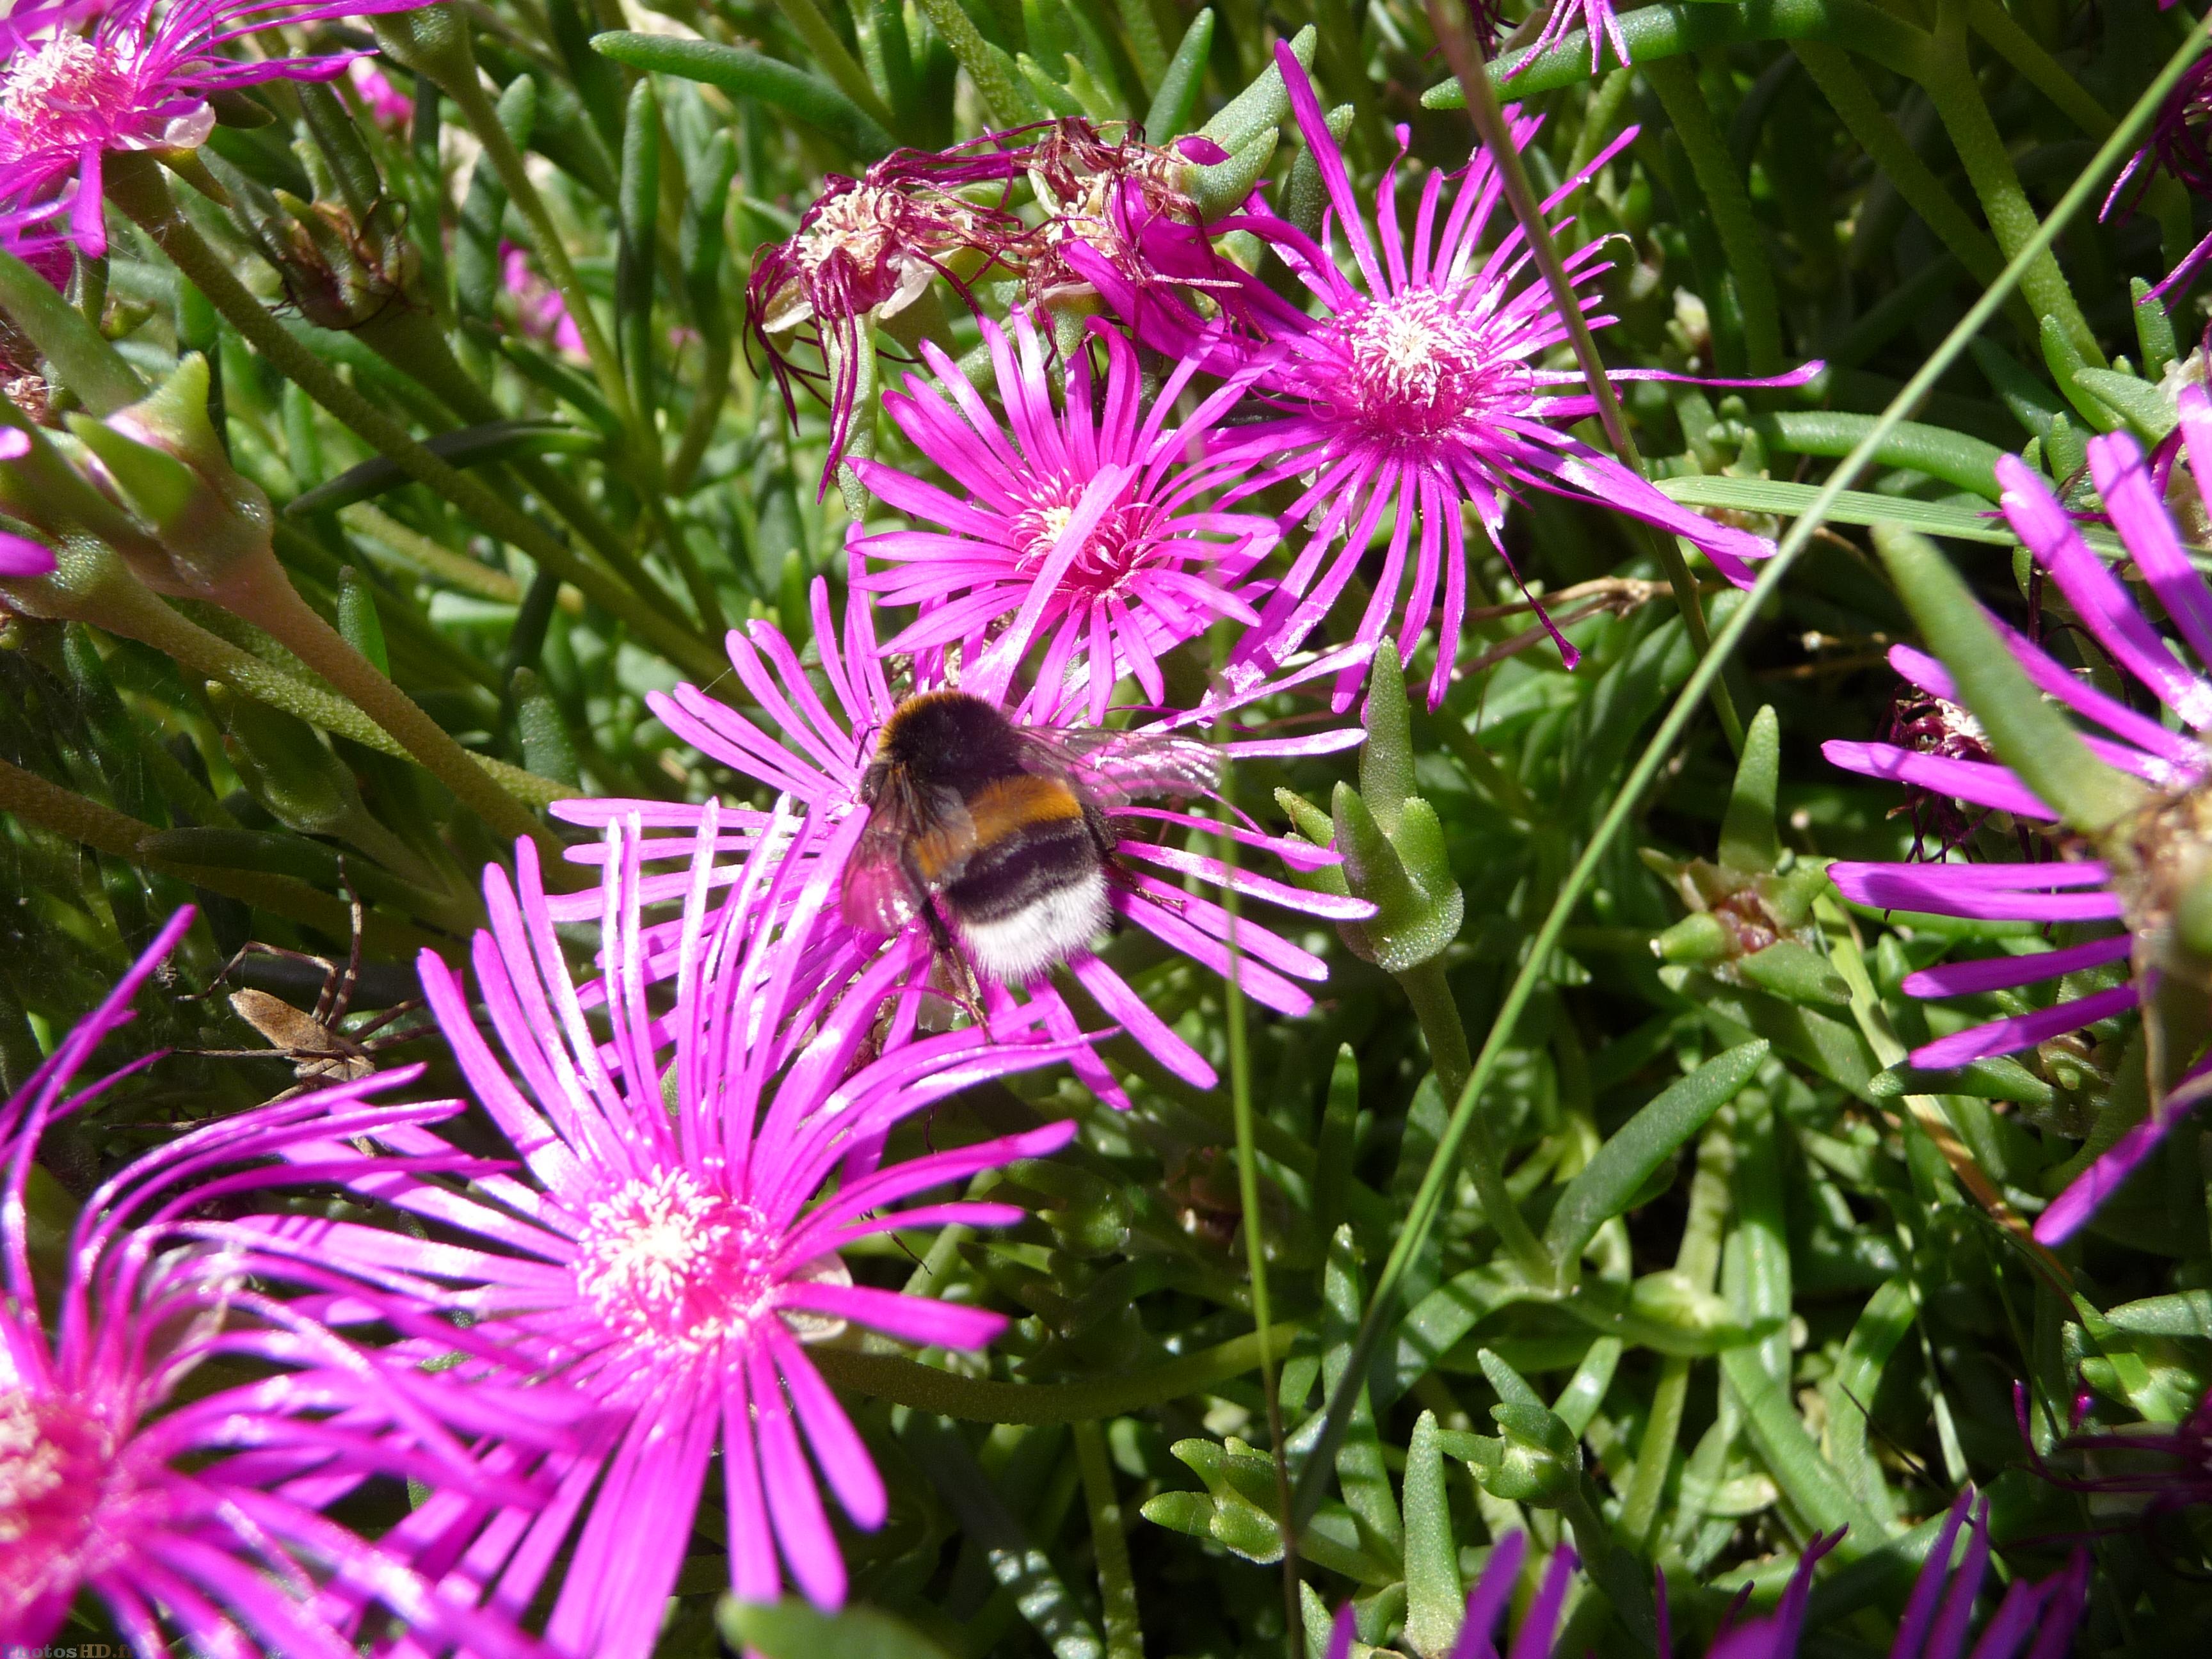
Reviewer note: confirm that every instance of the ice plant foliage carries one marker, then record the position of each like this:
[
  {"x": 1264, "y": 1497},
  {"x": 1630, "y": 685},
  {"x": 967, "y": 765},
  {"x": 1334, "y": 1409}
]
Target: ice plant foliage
[
  {"x": 817, "y": 754},
  {"x": 195, "y": 1513},
  {"x": 669, "y": 1249},
  {"x": 1417, "y": 383},
  {"x": 1090, "y": 525},
  {"x": 2123, "y": 901},
  {"x": 81, "y": 82}
]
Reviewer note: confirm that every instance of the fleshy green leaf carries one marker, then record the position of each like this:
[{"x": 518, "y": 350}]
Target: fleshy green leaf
[{"x": 1640, "y": 1145}]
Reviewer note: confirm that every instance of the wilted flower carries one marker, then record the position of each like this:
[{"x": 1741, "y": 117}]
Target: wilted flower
[
  {"x": 2133, "y": 887},
  {"x": 2181, "y": 142},
  {"x": 1416, "y": 388},
  {"x": 672, "y": 1246},
  {"x": 869, "y": 247},
  {"x": 138, "y": 78},
  {"x": 1118, "y": 201},
  {"x": 1090, "y": 525},
  {"x": 820, "y": 756},
  {"x": 193, "y": 1511}
]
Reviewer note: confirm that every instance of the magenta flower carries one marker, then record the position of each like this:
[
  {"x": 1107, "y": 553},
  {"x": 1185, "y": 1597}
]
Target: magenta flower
[
  {"x": 2036, "y": 1616},
  {"x": 1089, "y": 524},
  {"x": 1935, "y": 1623},
  {"x": 670, "y": 1251},
  {"x": 538, "y": 305},
  {"x": 1488, "y": 1599},
  {"x": 2181, "y": 142},
  {"x": 2127, "y": 907},
  {"x": 81, "y": 81},
  {"x": 387, "y": 106},
  {"x": 819, "y": 755},
  {"x": 1416, "y": 388},
  {"x": 1596, "y": 17},
  {"x": 18, "y": 554},
  {"x": 194, "y": 1511}
]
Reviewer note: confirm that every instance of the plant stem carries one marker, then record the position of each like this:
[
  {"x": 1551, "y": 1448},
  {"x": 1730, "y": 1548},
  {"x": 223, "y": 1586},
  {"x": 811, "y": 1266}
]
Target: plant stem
[
  {"x": 1109, "y": 1543},
  {"x": 1421, "y": 1217},
  {"x": 1002, "y": 101},
  {"x": 706, "y": 410},
  {"x": 101, "y": 593},
  {"x": 423, "y": 556},
  {"x": 1949, "y": 80},
  {"x": 1698, "y": 1260},
  {"x": 2038, "y": 68},
  {"x": 1743, "y": 242},
  {"x": 270, "y": 602},
  {"x": 837, "y": 63},
  {"x": 411, "y": 343},
  {"x": 1434, "y": 1006},
  {"x": 1256, "y": 1243},
  {"x": 134, "y": 183},
  {"x": 64, "y": 812},
  {"x": 1895, "y": 160},
  {"x": 1462, "y": 52}
]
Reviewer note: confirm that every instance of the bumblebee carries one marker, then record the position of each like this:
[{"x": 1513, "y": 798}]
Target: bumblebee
[{"x": 996, "y": 836}]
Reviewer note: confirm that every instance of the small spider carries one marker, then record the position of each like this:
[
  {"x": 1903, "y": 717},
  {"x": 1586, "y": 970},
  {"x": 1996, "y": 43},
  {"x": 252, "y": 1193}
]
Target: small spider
[{"x": 320, "y": 1052}]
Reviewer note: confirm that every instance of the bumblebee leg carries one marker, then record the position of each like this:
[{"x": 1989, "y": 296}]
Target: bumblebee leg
[{"x": 941, "y": 937}]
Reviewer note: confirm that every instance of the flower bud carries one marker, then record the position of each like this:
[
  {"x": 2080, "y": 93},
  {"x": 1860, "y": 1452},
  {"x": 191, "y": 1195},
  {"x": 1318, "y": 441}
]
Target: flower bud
[
  {"x": 1538, "y": 1459},
  {"x": 1392, "y": 841},
  {"x": 1751, "y": 909},
  {"x": 205, "y": 528},
  {"x": 342, "y": 269}
]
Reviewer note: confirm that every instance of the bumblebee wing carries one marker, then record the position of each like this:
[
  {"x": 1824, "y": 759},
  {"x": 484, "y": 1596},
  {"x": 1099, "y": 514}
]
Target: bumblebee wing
[
  {"x": 877, "y": 893},
  {"x": 916, "y": 840},
  {"x": 1114, "y": 767}
]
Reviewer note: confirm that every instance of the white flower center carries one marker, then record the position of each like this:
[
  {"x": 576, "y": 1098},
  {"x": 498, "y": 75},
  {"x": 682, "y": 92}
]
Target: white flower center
[
  {"x": 67, "y": 93},
  {"x": 1419, "y": 367},
  {"x": 671, "y": 1264},
  {"x": 57, "y": 1481}
]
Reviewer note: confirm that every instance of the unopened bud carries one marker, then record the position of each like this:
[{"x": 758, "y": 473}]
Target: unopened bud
[
  {"x": 342, "y": 271},
  {"x": 1406, "y": 878},
  {"x": 162, "y": 463}
]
